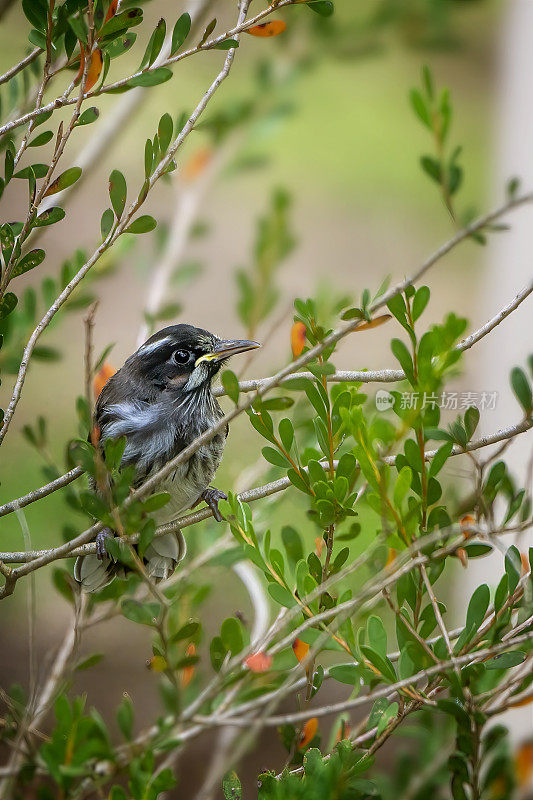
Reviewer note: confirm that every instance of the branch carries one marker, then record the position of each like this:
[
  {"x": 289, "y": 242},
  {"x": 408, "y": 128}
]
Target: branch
[
  {"x": 78, "y": 545},
  {"x": 337, "y": 708},
  {"x": 29, "y": 59},
  {"x": 111, "y": 238},
  {"x": 234, "y": 32},
  {"x": 362, "y": 376}
]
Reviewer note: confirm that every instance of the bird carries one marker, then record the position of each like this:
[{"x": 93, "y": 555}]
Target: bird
[{"x": 161, "y": 399}]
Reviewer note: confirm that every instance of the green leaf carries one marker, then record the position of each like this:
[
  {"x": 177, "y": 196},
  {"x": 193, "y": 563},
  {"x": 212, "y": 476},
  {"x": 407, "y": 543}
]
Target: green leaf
[
  {"x": 29, "y": 261},
  {"x": 376, "y": 635},
  {"x": 292, "y": 543},
  {"x": 522, "y": 389},
  {"x": 187, "y": 631},
  {"x": 66, "y": 179},
  {"x": 274, "y": 457},
  {"x": 231, "y": 635},
  {"x": 180, "y": 32},
  {"x": 231, "y": 785},
  {"x": 127, "y": 19},
  {"x": 403, "y": 484},
  {"x": 388, "y": 715},
  {"x": 345, "y": 673},
  {"x": 7, "y": 304},
  {"x": 281, "y": 595},
  {"x": 400, "y": 351},
  {"x": 227, "y": 44},
  {"x": 49, "y": 217},
  {"x": 506, "y": 660},
  {"x": 286, "y": 433},
  {"x": 324, "y": 8},
  {"x": 89, "y": 662},
  {"x": 230, "y": 382},
  {"x": 117, "y": 192},
  {"x": 164, "y": 132},
  {"x": 419, "y": 106},
  {"x": 420, "y": 301},
  {"x": 141, "y": 613},
  {"x": 440, "y": 458},
  {"x": 382, "y": 664},
  {"x": 125, "y": 718},
  {"x": 42, "y": 138},
  {"x": 89, "y": 115},
  {"x": 471, "y": 420},
  {"x": 513, "y": 568},
  {"x": 106, "y": 223},
  {"x": 152, "y": 78},
  {"x": 120, "y": 45},
  {"x": 143, "y": 224},
  {"x": 477, "y": 607},
  {"x": 156, "y": 501}
]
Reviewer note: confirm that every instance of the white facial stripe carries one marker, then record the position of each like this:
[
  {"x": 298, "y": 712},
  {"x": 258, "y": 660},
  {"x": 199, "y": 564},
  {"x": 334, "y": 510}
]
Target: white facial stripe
[{"x": 149, "y": 348}]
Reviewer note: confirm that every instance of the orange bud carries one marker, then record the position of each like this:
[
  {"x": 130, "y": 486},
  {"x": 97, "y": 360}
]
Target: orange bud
[
  {"x": 374, "y": 323},
  {"x": 343, "y": 732},
  {"x": 466, "y": 524},
  {"x": 319, "y": 546},
  {"x": 105, "y": 372},
  {"x": 273, "y": 28},
  {"x": 111, "y": 11},
  {"x": 95, "y": 68},
  {"x": 526, "y": 569},
  {"x": 390, "y": 557},
  {"x": 525, "y": 701},
  {"x": 300, "y": 649},
  {"x": 524, "y": 763},
  {"x": 95, "y": 435},
  {"x": 297, "y": 338},
  {"x": 259, "y": 662},
  {"x": 188, "y": 672},
  {"x": 462, "y": 556},
  {"x": 197, "y": 163},
  {"x": 308, "y": 733}
]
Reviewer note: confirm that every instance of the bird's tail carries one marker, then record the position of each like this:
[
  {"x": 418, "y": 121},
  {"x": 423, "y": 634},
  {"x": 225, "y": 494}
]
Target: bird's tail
[
  {"x": 161, "y": 558},
  {"x": 163, "y": 555}
]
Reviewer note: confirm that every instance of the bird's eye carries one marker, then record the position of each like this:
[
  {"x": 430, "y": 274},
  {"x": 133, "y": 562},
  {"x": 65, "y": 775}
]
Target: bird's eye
[{"x": 181, "y": 356}]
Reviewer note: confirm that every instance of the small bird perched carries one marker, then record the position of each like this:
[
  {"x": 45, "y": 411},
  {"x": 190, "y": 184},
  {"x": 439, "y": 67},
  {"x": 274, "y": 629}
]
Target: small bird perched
[{"x": 161, "y": 400}]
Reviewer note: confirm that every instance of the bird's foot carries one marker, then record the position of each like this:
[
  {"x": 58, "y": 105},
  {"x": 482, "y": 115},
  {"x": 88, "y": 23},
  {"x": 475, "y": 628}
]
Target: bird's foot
[
  {"x": 212, "y": 497},
  {"x": 101, "y": 550}
]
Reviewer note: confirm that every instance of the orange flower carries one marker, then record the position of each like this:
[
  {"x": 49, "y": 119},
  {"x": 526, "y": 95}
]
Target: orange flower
[
  {"x": 297, "y": 338},
  {"x": 343, "y": 732},
  {"x": 188, "y": 672},
  {"x": 466, "y": 524},
  {"x": 95, "y": 68},
  {"x": 259, "y": 662},
  {"x": 462, "y": 556},
  {"x": 105, "y": 372},
  {"x": 524, "y": 763},
  {"x": 273, "y": 28},
  {"x": 308, "y": 733},
  {"x": 197, "y": 163},
  {"x": 300, "y": 649}
]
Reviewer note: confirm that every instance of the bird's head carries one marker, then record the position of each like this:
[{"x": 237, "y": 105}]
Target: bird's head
[{"x": 184, "y": 357}]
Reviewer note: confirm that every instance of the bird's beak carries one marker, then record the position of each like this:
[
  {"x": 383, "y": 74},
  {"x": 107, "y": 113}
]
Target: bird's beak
[{"x": 226, "y": 348}]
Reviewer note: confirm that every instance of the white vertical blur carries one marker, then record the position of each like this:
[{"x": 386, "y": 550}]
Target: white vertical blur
[{"x": 509, "y": 266}]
